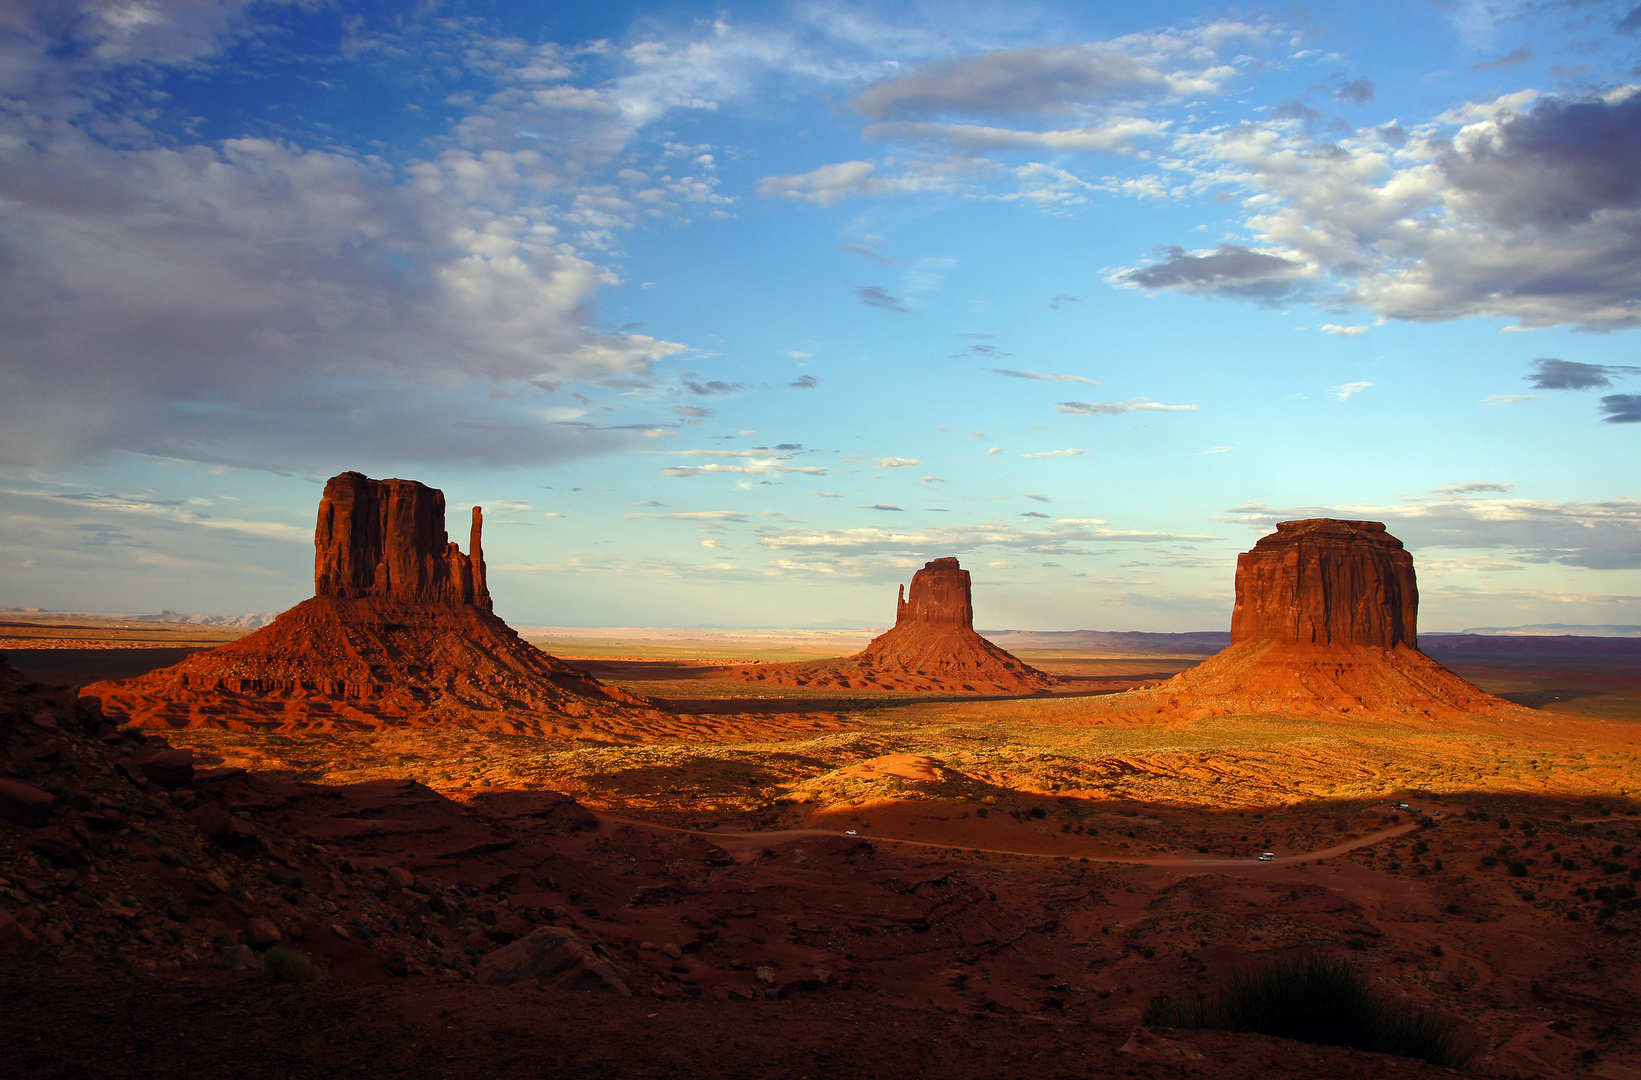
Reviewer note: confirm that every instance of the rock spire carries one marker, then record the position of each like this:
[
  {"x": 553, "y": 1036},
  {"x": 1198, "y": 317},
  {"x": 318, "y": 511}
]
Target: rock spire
[
  {"x": 931, "y": 648},
  {"x": 1326, "y": 621},
  {"x": 386, "y": 539},
  {"x": 399, "y": 633}
]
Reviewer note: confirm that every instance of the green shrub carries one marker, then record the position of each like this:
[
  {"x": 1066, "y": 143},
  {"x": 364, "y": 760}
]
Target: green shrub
[
  {"x": 1317, "y": 1000},
  {"x": 288, "y": 965}
]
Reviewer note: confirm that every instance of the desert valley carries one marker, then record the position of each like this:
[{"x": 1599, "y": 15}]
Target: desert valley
[
  {"x": 820, "y": 540},
  {"x": 388, "y": 832}
]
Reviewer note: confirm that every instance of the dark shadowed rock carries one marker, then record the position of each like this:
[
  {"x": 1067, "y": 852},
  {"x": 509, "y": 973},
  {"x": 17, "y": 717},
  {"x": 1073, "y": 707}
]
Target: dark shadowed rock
[
  {"x": 25, "y": 804},
  {"x": 169, "y": 768},
  {"x": 386, "y": 539},
  {"x": 551, "y": 957}
]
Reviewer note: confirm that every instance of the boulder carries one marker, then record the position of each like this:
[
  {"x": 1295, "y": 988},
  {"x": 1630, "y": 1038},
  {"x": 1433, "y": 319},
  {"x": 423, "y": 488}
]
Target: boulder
[
  {"x": 168, "y": 768},
  {"x": 15, "y": 938},
  {"x": 24, "y": 804},
  {"x": 262, "y": 932},
  {"x": 553, "y": 958}
]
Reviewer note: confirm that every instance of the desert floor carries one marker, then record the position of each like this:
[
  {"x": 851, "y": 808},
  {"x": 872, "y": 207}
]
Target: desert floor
[{"x": 989, "y": 885}]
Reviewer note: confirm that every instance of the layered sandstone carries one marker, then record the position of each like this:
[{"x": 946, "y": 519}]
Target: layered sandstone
[
  {"x": 1322, "y": 582},
  {"x": 1326, "y": 621},
  {"x": 385, "y": 539},
  {"x": 932, "y": 648},
  {"x": 400, "y": 633}
]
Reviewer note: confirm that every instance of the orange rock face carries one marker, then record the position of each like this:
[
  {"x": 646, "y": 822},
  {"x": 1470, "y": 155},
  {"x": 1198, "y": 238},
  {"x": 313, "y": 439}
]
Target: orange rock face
[
  {"x": 932, "y": 648},
  {"x": 1326, "y": 621},
  {"x": 386, "y": 539},
  {"x": 1323, "y": 582},
  {"x": 401, "y": 633}
]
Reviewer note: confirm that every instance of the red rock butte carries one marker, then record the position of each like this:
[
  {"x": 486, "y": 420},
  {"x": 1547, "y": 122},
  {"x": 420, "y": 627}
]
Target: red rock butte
[
  {"x": 1326, "y": 621},
  {"x": 399, "y": 633},
  {"x": 932, "y": 648}
]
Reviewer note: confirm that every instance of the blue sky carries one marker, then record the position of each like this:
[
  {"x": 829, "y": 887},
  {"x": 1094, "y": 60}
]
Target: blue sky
[{"x": 738, "y": 314}]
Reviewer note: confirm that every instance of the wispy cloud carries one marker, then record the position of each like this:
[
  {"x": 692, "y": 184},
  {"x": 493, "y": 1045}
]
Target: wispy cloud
[
  {"x": 1045, "y": 377},
  {"x": 694, "y": 515},
  {"x": 879, "y": 297},
  {"x": 1116, "y": 408},
  {"x": 1348, "y": 390},
  {"x": 1055, "y": 453}
]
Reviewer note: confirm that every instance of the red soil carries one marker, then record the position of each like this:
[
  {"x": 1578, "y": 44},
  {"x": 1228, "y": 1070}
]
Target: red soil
[
  {"x": 1341, "y": 680},
  {"x": 336, "y": 664}
]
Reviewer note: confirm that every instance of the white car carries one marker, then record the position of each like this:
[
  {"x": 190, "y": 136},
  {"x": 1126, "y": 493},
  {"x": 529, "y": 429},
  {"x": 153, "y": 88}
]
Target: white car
[
  {"x": 850, "y": 832},
  {"x": 1267, "y": 856}
]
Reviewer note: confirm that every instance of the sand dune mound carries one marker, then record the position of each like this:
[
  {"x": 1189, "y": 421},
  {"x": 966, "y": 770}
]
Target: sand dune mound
[
  {"x": 932, "y": 648},
  {"x": 1325, "y": 622},
  {"x": 400, "y": 634}
]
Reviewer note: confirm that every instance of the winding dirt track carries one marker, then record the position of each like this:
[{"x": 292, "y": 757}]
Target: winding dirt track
[{"x": 746, "y": 840}]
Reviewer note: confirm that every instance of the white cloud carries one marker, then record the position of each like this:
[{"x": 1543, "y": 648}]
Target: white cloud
[
  {"x": 897, "y": 462},
  {"x": 828, "y": 185},
  {"x": 1044, "y": 377},
  {"x": 1522, "y": 207},
  {"x": 1055, "y": 453},
  {"x": 1344, "y": 331},
  {"x": 694, "y": 515},
  {"x": 1116, "y": 408},
  {"x": 1348, "y": 390},
  {"x": 303, "y": 303},
  {"x": 1603, "y": 535},
  {"x": 1061, "y": 537}
]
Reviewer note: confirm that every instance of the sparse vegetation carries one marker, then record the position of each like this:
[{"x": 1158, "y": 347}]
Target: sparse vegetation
[
  {"x": 1317, "y": 1000},
  {"x": 288, "y": 965}
]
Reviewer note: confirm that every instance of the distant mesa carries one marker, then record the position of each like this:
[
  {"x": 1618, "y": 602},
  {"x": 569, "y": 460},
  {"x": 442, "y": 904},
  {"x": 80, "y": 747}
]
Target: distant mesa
[
  {"x": 399, "y": 633},
  {"x": 1326, "y": 621},
  {"x": 932, "y": 648}
]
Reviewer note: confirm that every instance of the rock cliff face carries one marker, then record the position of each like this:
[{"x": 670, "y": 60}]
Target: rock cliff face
[
  {"x": 1326, "y": 621},
  {"x": 400, "y": 633},
  {"x": 941, "y": 595},
  {"x": 932, "y": 648},
  {"x": 386, "y": 539},
  {"x": 1324, "y": 581}
]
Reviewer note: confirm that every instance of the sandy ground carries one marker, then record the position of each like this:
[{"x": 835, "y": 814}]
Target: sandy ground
[{"x": 1023, "y": 877}]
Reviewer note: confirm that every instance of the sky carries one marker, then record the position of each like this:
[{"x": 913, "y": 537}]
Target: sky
[{"x": 736, "y": 314}]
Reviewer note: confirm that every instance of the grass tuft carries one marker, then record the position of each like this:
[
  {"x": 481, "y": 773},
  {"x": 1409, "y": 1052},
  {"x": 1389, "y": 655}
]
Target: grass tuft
[
  {"x": 288, "y": 965},
  {"x": 1317, "y": 1000}
]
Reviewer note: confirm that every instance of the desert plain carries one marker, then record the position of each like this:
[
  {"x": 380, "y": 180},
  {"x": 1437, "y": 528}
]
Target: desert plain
[{"x": 797, "y": 881}]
